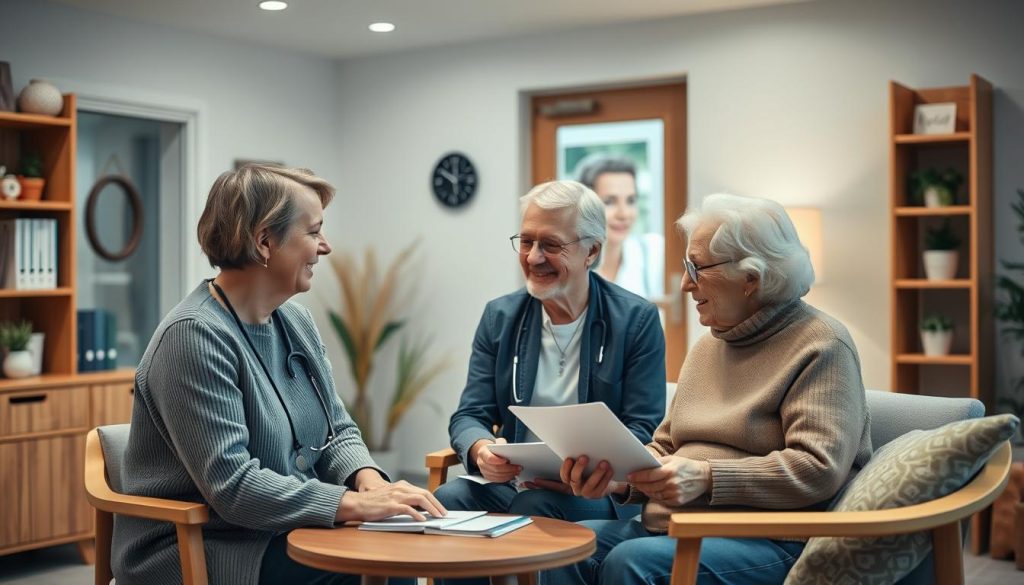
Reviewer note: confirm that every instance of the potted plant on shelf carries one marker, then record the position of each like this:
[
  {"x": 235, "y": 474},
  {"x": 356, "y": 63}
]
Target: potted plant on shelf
[
  {"x": 31, "y": 177},
  {"x": 14, "y": 338},
  {"x": 936, "y": 334},
  {"x": 935, "y": 188},
  {"x": 940, "y": 256}
]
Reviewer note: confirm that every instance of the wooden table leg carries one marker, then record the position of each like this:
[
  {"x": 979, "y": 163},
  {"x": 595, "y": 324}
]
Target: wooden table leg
[
  {"x": 374, "y": 580},
  {"x": 528, "y": 578}
]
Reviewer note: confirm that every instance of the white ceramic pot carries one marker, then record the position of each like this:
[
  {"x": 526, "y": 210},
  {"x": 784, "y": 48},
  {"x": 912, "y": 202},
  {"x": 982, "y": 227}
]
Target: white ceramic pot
[
  {"x": 934, "y": 198},
  {"x": 41, "y": 97},
  {"x": 936, "y": 342},
  {"x": 940, "y": 264},
  {"x": 18, "y": 364}
]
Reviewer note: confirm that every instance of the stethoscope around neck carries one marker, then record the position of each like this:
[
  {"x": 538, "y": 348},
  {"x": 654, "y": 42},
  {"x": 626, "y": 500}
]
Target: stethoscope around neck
[
  {"x": 302, "y": 462},
  {"x": 598, "y": 321}
]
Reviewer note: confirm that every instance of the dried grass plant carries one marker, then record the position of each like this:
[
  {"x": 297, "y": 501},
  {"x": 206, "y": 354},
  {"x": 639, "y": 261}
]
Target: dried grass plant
[{"x": 371, "y": 311}]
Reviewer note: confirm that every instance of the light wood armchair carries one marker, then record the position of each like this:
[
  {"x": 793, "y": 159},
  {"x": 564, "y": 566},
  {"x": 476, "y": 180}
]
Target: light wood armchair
[
  {"x": 942, "y": 517},
  {"x": 188, "y": 517}
]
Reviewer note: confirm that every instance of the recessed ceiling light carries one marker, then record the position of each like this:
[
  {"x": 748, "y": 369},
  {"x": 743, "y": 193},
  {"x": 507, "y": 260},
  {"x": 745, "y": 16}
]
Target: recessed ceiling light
[
  {"x": 382, "y": 27},
  {"x": 273, "y": 5}
]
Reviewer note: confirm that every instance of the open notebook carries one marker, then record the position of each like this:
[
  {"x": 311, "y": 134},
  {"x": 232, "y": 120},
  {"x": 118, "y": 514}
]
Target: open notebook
[{"x": 456, "y": 523}]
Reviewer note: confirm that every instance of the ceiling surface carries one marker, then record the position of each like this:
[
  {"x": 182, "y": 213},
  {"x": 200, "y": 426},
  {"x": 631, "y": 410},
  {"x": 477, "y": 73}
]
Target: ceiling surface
[{"x": 338, "y": 28}]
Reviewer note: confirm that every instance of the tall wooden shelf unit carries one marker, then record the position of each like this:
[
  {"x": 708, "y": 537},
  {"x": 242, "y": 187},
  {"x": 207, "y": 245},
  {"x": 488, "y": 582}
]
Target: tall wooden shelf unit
[
  {"x": 968, "y": 298},
  {"x": 44, "y": 419}
]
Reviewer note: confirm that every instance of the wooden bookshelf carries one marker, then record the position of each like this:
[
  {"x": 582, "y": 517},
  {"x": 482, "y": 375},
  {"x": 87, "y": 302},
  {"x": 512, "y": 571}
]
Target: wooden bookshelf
[
  {"x": 44, "y": 419},
  {"x": 967, "y": 298}
]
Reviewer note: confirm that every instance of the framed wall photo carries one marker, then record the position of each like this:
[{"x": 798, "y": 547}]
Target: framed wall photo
[{"x": 935, "y": 118}]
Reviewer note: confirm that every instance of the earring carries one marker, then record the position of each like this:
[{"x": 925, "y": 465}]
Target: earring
[{"x": 266, "y": 261}]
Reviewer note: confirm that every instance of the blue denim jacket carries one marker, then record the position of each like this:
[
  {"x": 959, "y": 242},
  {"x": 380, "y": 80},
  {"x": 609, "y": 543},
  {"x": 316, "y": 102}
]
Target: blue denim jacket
[{"x": 628, "y": 376}]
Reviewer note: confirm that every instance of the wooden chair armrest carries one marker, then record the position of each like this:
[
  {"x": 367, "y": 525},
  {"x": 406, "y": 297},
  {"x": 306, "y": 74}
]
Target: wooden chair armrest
[
  {"x": 102, "y": 497},
  {"x": 976, "y": 495},
  {"x": 444, "y": 458},
  {"x": 438, "y": 463}
]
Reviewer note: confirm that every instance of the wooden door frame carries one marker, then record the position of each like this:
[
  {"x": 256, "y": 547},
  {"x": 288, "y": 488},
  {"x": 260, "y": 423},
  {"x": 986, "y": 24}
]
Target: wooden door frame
[{"x": 661, "y": 98}]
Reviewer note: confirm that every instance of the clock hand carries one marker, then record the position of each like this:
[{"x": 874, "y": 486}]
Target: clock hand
[{"x": 448, "y": 176}]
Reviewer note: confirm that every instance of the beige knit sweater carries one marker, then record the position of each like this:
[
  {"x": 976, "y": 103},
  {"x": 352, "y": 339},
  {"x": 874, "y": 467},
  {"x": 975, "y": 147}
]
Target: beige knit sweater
[{"x": 776, "y": 405}]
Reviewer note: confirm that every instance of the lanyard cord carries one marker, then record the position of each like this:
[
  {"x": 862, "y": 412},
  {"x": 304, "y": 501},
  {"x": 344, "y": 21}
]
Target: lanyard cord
[{"x": 291, "y": 425}]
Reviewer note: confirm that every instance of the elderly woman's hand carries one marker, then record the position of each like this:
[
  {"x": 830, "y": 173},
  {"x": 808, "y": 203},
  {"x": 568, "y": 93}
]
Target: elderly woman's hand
[{"x": 678, "y": 480}]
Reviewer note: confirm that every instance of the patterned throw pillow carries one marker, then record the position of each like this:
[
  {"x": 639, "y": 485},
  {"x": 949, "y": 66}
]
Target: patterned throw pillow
[{"x": 917, "y": 467}]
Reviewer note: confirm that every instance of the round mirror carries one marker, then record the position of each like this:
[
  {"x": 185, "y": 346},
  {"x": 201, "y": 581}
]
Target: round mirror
[{"x": 112, "y": 222}]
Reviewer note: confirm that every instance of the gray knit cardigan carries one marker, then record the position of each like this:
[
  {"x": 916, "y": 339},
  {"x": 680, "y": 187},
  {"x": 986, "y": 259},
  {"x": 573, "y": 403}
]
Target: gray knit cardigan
[{"x": 208, "y": 427}]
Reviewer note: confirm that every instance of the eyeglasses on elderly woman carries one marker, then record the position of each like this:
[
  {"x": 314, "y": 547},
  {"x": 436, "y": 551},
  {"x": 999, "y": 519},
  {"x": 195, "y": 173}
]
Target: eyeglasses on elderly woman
[{"x": 694, "y": 271}]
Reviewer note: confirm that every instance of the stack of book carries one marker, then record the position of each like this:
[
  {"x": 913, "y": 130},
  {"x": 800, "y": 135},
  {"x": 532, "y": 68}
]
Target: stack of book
[
  {"x": 456, "y": 523},
  {"x": 28, "y": 253},
  {"x": 97, "y": 340}
]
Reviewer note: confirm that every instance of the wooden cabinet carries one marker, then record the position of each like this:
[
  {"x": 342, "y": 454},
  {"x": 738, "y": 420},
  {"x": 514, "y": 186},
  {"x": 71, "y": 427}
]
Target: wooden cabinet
[
  {"x": 44, "y": 419},
  {"x": 967, "y": 298},
  {"x": 43, "y": 423}
]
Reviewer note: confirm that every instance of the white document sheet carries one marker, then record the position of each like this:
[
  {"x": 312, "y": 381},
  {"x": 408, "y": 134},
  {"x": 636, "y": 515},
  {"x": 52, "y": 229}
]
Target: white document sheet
[
  {"x": 537, "y": 459},
  {"x": 587, "y": 429}
]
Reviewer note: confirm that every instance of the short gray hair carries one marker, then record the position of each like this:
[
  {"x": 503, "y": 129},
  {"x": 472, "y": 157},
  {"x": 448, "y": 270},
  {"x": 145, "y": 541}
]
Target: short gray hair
[
  {"x": 590, "y": 221},
  {"x": 597, "y": 164},
  {"x": 760, "y": 237}
]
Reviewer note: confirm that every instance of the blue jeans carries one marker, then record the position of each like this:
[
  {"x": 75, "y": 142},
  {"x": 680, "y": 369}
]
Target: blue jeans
[
  {"x": 279, "y": 569},
  {"x": 461, "y": 494},
  {"x": 628, "y": 554}
]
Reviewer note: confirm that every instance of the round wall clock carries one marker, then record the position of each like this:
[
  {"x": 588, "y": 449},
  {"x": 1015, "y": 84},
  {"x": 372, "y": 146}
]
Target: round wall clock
[{"x": 454, "y": 180}]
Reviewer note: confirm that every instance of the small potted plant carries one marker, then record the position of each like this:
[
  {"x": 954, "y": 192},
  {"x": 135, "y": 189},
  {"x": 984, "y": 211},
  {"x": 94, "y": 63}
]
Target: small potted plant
[
  {"x": 940, "y": 256},
  {"x": 14, "y": 338},
  {"x": 935, "y": 188},
  {"x": 936, "y": 334},
  {"x": 31, "y": 177}
]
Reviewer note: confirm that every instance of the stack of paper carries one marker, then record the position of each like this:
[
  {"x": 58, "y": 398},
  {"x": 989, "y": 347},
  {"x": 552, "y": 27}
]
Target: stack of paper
[
  {"x": 456, "y": 523},
  {"x": 590, "y": 429}
]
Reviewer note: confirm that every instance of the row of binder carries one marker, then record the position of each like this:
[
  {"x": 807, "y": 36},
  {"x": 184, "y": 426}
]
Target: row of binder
[
  {"x": 97, "y": 340},
  {"x": 28, "y": 253}
]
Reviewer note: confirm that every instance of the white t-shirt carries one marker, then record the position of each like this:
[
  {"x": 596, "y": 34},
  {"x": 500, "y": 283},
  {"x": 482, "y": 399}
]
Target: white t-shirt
[{"x": 553, "y": 388}]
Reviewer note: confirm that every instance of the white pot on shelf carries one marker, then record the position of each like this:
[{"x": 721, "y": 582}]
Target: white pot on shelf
[
  {"x": 18, "y": 364},
  {"x": 940, "y": 264},
  {"x": 936, "y": 197},
  {"x": 937, "y": 343}
]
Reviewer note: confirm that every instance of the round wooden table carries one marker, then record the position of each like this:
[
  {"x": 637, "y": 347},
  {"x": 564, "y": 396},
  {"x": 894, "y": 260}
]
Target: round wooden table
[{"x": 520, "y": 554}]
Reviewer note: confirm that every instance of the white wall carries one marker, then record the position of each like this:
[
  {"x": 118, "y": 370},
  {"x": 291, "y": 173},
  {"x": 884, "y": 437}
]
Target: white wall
[
  {"x": 788, "y": 102},
  {"x": 253, "y": 102}
]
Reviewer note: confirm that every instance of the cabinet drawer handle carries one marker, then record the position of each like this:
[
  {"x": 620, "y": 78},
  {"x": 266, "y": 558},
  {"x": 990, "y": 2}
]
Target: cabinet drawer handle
[{"x": 28, "y": 399}]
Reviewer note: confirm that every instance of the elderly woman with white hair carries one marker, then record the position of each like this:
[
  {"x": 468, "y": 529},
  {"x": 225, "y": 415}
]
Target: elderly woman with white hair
[{"x": 769, "y": 411}]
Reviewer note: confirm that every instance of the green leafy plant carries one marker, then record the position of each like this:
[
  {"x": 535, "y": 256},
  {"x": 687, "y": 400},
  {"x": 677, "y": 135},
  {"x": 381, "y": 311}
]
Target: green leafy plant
[
  {"x": 941, "y": 238},
  {"x": 31, "y": 165},
  {"x": 936, "y": 323},
  {"x": 945, "y": 183},
  {"x": 15, "y": 336},
  {"x": 1009, "y": 311},
  {"x": 370, "y": 315}
]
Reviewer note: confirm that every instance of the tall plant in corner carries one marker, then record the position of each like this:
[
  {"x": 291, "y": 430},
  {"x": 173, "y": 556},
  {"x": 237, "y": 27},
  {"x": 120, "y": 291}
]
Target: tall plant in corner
[
  {"x": 369, "y": 317},
  {"x": 1010, "y": 312}
]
